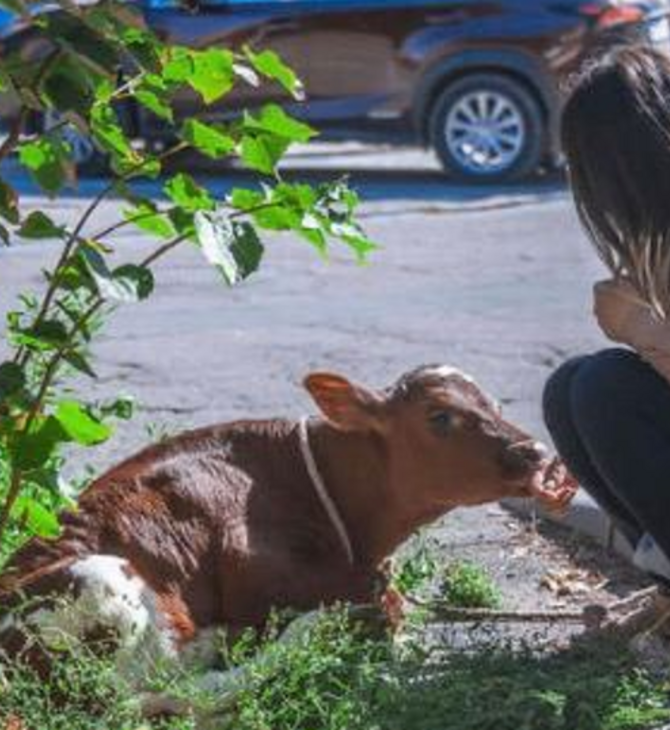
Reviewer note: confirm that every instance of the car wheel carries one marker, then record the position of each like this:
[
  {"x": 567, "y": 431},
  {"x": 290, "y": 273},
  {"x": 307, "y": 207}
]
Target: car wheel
[
  {"x": 487, "y": 128},
  {"x": 88, "y": 159}
]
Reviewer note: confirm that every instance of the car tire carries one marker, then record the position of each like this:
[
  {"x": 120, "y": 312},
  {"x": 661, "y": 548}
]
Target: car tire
[
  {"x": 88, "y": 159},
  {"x": 487, "y": 128}
]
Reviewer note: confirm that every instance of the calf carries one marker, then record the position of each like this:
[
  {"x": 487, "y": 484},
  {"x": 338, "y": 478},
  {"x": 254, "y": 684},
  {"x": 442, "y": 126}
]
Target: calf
[{"x": 216, "y": 527}]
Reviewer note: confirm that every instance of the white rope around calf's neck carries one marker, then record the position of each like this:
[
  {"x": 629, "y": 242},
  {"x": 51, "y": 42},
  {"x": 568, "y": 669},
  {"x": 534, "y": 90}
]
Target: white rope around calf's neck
[{"x": 322, "y": 491}]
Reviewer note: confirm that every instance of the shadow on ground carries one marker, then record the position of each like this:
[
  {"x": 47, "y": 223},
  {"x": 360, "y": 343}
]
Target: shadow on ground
[{"x": 373, "y": 176}]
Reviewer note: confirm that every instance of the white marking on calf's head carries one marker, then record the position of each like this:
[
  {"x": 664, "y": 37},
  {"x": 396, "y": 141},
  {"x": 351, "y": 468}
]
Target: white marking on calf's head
[{"x": 447, "y": 371}]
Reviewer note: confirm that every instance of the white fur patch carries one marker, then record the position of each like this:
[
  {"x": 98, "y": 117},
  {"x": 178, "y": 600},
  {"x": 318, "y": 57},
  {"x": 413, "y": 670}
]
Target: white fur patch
[
  {"x": 447, "y": 371},
  {"x": 110, "y": 596}
]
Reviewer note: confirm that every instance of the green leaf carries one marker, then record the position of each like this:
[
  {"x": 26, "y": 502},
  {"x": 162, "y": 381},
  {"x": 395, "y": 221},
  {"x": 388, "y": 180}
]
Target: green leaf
[
  {"x": 276, "y": 121},
  {"x": 38, "y": 519},
  {"x": 129, "y": 283},
  {"x": 39, "y": 225},
  {"x": 32, "y": 450},
  {"x": 152, "y": 94},
  {"x": 208, "y": 139},
  {"x": 186, "y": 193},
  {"x": 146, "y": 216},
  {"x": 270, "y": 65},
  {"x": 262, "y": 152},
  {"x": 79, "y": 424},
  {"x": 137, "y": 166},
  {"x": 213, "y": 74},
  {"x": 47, "y": 335},
  {"x": 47, "y": 159},
  {"x": 74, "y": 276},
  {"x": 108, "y": 132},
  {"x": 244, "y": 199},
  {"x": 247, "y": 248},
  {"x": 137, "y": 281},
  {"x": 232, "y": 246},
  {"x": 182, "y": 220},
  {"x": 178, "y": 66},
  {"x": 80, "y": 363},
  {"x": 87, "y": 47},
  {"x": 69, "y": 85},
  {"x": 144, "y": 46},
  {"x": 9, "y": 202},
  {"x": 122, "y": 407},
  {"x": 12, "y": 379}
]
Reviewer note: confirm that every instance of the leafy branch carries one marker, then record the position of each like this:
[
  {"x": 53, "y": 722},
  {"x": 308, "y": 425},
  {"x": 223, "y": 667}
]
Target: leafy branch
[{"x": 100, "y": 57}]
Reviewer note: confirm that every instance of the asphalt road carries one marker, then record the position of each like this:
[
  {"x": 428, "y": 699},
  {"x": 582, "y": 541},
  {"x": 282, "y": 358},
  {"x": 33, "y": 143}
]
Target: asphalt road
[{"x": 495, "y": 281}]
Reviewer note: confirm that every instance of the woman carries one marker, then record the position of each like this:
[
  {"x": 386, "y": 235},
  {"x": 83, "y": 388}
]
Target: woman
[{"x": 609, "y": 413}]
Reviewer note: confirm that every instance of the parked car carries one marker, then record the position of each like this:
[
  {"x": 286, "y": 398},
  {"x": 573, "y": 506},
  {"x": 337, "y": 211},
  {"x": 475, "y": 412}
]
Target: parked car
[{"x": 479, "y": 81}]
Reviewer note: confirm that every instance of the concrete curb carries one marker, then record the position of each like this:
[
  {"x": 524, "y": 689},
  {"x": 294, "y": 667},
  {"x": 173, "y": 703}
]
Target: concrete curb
[{"x": 584, "y": 516}]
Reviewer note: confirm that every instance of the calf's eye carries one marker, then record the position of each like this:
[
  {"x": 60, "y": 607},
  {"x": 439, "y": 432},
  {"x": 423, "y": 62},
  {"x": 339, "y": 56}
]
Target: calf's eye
[{"x": 442, "y": 422}]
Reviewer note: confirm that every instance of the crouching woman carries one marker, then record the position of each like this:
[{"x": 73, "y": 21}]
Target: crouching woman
[{"x": 609, "y": 412}]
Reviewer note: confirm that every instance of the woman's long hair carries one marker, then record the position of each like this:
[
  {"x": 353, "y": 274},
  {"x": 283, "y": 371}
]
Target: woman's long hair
[{"x": 616, "y": 137}]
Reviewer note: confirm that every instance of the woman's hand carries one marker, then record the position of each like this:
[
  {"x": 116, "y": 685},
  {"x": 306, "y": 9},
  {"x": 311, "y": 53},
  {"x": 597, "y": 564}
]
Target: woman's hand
[{"x": 553, "y": 486}]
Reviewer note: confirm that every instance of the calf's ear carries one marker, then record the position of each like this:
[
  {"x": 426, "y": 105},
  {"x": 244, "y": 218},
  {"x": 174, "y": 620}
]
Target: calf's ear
[{"x": 346, "y": 405}]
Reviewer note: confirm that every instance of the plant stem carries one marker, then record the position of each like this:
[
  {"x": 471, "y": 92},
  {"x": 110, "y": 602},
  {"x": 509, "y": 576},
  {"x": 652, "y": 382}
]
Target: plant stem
[
  {"x": 46, "y": 382},
  {"x": 162, "y": 250},
  {"x": 121, "y": 224},
  {"x": 23, "y": 355},
  {"x": 50, "y": 373},
  {"x": 12, "y": 494}
]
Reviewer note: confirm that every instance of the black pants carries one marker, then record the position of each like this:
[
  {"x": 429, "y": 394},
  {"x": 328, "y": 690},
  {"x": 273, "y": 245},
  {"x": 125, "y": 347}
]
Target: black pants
[{"x": 609, "y": 416}]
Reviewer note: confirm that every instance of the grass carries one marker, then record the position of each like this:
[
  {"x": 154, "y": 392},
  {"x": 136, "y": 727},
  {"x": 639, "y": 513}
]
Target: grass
[
  {"x": 592, "y": 688},
  {"x": 333, "y": 677},
  {"x": 83, "y": 692}
]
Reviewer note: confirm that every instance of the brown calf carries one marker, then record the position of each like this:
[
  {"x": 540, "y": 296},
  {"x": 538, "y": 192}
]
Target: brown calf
[{"x": 215, "y": 527}]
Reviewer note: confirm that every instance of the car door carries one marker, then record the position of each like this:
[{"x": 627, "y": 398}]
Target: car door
[
  {"x": 358, "y": 54},
  {"x": 260, "y": 24}
]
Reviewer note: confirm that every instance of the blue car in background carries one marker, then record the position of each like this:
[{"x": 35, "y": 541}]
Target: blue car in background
[{"x": 478, "y": 81}]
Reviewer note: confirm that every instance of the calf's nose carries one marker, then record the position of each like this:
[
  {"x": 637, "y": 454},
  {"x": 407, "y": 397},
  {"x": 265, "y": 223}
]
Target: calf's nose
[
  {"x": 522, "y": 456},
  {"x": 530, "y": 450}
]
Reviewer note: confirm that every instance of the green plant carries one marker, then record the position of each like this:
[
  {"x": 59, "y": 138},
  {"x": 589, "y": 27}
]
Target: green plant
[
  {"x": 325, "y": 679},
  {"x": 416, "y": 569},
  {"x": 334, "y": 677},
  {"x": 468, "y": 585},
  {"x": 593, "y": 687},
  {"x": 88, "y": 48},
  {"x": 83, "y": 692}
]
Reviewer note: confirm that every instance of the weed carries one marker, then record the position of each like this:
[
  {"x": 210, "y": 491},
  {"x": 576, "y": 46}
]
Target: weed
[
  {"x": 82, "y": 692},
  {"x": 417, "y": 568},
  {"x": 591, "y": 688},
  {"x": 468, "y": 586}
]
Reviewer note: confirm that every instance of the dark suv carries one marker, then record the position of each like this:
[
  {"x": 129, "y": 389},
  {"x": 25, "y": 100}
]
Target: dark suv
[{"x": 477, "y": 80}]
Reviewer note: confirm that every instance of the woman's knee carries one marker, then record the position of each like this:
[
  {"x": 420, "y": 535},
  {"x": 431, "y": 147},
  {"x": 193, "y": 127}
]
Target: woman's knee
[{"x": 611, "y": 381}]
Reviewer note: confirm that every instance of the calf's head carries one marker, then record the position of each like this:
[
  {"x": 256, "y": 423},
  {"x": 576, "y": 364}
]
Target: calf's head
[{"x": 445, "y": 441}]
